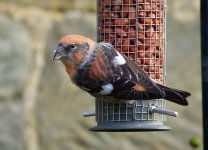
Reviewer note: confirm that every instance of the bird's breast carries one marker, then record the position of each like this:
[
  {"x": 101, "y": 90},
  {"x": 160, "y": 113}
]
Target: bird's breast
[{"x": 69, "y": 69}]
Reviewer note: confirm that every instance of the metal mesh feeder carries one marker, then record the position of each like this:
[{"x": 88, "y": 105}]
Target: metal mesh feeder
[{"x": 137, "y": 28}]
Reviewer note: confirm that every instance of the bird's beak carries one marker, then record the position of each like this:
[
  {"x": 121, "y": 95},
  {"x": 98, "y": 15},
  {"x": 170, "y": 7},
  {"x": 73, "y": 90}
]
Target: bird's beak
[{"x": 59, "y": 53}]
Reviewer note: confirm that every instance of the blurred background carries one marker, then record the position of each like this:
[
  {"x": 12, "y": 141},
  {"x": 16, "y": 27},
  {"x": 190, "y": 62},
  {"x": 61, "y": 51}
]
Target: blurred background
[{"x": 39, "y": 107}]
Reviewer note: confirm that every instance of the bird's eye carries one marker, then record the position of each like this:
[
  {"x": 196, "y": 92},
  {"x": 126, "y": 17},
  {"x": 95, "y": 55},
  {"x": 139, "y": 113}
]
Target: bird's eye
[{"x": 72, "y": 47}]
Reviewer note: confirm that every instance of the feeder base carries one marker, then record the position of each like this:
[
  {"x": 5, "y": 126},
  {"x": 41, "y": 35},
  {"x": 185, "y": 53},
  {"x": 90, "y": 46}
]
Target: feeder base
[{"x": 128, "y": 127}]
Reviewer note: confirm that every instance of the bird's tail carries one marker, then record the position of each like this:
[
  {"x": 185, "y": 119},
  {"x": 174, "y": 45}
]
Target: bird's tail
[{"x": 174, "y": 95}]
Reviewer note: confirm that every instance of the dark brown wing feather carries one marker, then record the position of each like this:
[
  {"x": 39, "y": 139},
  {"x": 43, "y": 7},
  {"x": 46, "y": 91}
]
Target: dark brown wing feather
[{"x": 127, "y": 76}]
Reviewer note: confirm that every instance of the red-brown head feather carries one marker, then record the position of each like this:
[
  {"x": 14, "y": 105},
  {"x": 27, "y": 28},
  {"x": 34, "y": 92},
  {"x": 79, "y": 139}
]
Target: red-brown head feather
[{"x": 76, "y": 39}]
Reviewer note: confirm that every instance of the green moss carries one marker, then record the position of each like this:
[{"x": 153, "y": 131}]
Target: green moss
[{"x": 195, "y": 142}]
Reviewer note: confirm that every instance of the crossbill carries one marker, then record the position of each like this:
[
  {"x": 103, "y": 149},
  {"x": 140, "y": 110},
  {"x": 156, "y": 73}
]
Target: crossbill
[{"x": 104, "y": 72}]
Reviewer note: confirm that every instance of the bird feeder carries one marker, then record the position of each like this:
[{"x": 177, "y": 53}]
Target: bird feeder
[{"x": 137, "y": 29}]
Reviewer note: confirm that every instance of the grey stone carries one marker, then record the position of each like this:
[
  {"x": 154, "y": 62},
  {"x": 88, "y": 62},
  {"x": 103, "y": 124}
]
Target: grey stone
[
  {"x": 60, "y": 5},
  {"x": 15, "y": 57},
  {"x": 11, "y": 125}
]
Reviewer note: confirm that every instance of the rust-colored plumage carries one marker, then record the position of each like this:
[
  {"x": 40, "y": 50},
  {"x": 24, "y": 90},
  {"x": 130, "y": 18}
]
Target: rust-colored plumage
[
  {"x": 98, "y": 70},
  {"x": 102, "y": 71}
]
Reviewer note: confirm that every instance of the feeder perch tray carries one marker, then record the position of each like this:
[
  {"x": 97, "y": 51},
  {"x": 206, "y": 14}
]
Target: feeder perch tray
[{"x": 139, "y": 115}]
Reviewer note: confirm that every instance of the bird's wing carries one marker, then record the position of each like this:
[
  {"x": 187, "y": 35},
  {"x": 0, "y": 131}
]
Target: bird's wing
[
  {"x": 130, "y": 81},
  {"x": 117, "y": 76}
]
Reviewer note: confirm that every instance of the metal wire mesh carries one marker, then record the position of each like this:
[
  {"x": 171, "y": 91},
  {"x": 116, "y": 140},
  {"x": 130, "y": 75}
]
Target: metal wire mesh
[
  {"x": 137, "y": 29},
  {"x": 123, "y": 112}
]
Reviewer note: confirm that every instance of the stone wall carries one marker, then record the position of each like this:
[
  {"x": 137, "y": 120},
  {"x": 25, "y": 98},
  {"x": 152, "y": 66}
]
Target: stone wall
[{"x": 39, "y": 107}]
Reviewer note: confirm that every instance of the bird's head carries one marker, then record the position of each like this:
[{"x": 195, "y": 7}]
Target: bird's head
[{"x": 72, "y": 49}]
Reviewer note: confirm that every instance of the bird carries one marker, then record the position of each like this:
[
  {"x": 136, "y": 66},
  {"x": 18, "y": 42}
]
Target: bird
[{"x": 103, "y": 72}]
